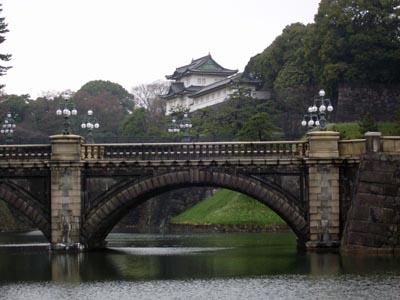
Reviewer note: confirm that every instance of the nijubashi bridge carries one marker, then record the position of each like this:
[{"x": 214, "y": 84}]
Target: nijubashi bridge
[{"x": 75, "y": 193}]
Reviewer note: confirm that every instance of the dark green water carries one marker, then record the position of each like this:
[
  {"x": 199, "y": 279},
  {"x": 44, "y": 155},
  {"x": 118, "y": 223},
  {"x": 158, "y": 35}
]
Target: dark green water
[{"x": 207, "y": 266}]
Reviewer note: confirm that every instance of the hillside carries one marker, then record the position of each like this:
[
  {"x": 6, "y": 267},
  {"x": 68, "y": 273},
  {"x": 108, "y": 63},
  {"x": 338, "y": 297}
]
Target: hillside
[{"x": 229, "y": 208}]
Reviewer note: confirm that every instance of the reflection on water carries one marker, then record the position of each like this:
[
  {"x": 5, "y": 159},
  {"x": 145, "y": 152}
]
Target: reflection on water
[{"x": 215, "y": 266}]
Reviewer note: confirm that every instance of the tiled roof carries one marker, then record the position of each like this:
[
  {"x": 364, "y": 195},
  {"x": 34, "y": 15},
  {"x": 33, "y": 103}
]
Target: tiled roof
[
  {"x": 224, "y": 82},
  {"x": 205, "y": 65},
  {"x": 178, "y": 88}
]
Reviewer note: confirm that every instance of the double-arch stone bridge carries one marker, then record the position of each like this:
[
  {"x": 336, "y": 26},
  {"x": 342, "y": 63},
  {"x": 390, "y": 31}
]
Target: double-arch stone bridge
[{"x": 75, "y": 192}]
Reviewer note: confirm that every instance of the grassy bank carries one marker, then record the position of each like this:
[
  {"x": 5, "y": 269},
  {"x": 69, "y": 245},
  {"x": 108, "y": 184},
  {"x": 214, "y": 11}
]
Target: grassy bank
[
  {"x": 350, "y": 131},
  {"x": 229, "y": 208}
]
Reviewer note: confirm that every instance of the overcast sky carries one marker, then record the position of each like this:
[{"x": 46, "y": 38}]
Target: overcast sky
[{"x": 63, "y": 44}]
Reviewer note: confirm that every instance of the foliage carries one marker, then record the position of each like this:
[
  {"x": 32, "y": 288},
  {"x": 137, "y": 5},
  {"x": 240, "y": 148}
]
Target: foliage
[
  {"x": 349, "y": 131},
  {"x": 229, "y": 207},
  {"x": 3, "y": 57},
  {"x": 284, "y": 58},
  {"x": 147, "y": 96},
  {"x": 285, "y": 69},
  {"x": 258, "y": 128},
  {"x": 102, "y": 88},
  {"x": 353, "y": 40},
  {"x": 235, "y": 118},
  {"x": 147, "y": 122},
  {"x": 367, "y": 123},
  {"x": 139, "y": 126}
]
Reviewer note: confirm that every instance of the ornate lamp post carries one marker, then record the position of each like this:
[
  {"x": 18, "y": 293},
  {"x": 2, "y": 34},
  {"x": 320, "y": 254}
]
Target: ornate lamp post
[
  {"x": 8, "y": 128},
  {"x": 67, "y": 111},
  {"x": 316, "y": 113},
  {"x": 90, "y": 123},
  {"x": 185, "y": 124},
  {"x": 173, "y": 127}
]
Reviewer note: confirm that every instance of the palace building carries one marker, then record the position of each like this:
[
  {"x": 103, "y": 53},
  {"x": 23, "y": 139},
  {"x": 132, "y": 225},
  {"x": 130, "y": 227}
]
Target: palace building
[{"x": 203, "y": 83}]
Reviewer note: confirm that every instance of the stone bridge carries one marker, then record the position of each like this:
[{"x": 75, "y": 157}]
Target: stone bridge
[{"x": 75, "y": 193}]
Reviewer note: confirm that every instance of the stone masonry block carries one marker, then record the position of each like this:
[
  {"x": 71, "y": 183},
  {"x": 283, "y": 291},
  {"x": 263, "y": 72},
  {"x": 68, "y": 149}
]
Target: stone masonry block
[
  {"x": 382, "y": 215},
  {"x": 376, "y": 176},
  {"x": 314, "y": 190},
  {"x": 324, "y": 197},
  {"x": 315, "y": 224}
]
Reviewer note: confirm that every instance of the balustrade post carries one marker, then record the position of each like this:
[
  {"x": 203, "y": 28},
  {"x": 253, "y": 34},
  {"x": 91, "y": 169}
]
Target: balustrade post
[
  {"x": 66, "y": 192},
  {"x": 373, "y": 142}
]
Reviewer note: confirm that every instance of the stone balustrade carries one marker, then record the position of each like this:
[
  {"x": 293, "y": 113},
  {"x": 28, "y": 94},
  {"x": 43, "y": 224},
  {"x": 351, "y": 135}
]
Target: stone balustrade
[
  {"x": 168, "y": 151},
  {"x": 25, "y": 152}
]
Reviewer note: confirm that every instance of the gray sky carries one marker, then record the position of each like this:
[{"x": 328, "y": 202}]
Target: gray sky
[{"x": 63, "y": 44}]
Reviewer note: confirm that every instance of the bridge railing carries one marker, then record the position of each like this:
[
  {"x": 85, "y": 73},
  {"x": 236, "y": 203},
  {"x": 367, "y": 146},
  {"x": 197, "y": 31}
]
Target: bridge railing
[
  {"x": 390, "y": 143},
  {"x": 352, "y": 148},
  {"x": 357, "y": 147},
  {"x": 25, "y": 152},
  {"x": 171, "y": 151}
]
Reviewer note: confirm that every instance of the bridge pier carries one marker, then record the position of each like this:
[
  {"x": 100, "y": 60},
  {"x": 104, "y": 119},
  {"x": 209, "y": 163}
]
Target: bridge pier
[
  {"x": 323, "y": 190},
  {"x": 66, "y": 193}
]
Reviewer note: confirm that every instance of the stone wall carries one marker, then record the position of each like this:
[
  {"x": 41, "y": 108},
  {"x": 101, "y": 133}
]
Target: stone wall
[
  {"x": 153, "y": 215},
  {"x": 355, "y": 100},
  {"x": 373, "y": 223}
]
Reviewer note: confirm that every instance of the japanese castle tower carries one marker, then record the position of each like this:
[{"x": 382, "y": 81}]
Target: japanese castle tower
[{"x": 201, "y": 83}]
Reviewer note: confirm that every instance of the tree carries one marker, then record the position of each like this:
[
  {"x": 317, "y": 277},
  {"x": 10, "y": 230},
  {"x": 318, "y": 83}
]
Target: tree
[
  {"x": 110, "y": 103},
  {"x": 258, "y": 127},
  {"x": 146, "y": 93},
  {"x": 355, "y": 40},
  {"x": 147, "y": 96},
  {"x": 135, "y": 124},
  {"x": 107, "y": 88},
  {"x": 367, "y": 123},
  {"x": 286, "y": 50},
  {"x": 3, "y": 57}
]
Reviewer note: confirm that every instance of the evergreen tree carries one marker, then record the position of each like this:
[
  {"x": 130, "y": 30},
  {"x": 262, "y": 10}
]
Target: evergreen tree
[
  {"x": 3, "y": 57},
  {"x": 355, "y": 40},
  {"x": 367, "y": 123}
]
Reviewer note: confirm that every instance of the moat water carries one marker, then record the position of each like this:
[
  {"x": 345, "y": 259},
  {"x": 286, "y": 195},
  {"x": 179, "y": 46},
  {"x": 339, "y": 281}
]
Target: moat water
[{"x": 201, "y": 266}]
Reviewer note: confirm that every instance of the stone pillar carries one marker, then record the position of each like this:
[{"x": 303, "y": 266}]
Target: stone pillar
[
  {"x": 66, "y": 194},
  {"x": 373, "y": 142},
  {"x": 323, "y": 144},
  {"x": 323, "y": 190}
]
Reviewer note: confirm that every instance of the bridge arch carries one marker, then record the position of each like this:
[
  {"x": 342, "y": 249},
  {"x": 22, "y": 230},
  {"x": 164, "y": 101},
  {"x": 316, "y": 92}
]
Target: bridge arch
[
  {"x": 27, "y": 205},
  {"x": 110, "y": 210}
]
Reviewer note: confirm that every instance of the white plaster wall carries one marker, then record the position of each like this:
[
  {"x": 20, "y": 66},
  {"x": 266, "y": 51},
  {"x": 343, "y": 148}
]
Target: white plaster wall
[
  {"x": 194, "y": 80},
  {"x": 210, "y": 99}
]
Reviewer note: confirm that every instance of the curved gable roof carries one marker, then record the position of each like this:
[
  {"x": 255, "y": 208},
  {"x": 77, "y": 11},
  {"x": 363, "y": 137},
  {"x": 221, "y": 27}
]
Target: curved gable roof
[{"x": 205, "y": 65}]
